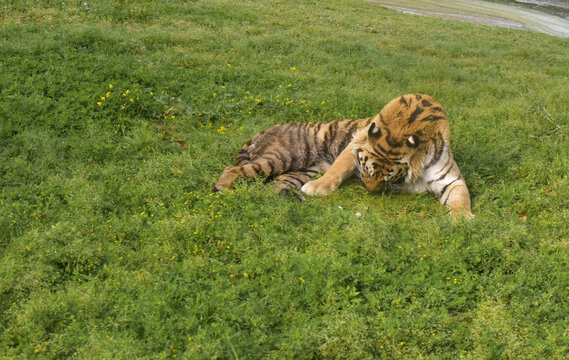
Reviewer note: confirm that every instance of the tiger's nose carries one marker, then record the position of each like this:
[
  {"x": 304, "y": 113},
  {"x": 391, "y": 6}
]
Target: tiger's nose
[{"x": 374, "y": 184}]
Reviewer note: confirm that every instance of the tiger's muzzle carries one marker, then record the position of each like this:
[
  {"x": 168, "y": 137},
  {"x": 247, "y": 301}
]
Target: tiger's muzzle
[
  {"x": 383, "y": 179},
  {"x": 374, "y": 183}
]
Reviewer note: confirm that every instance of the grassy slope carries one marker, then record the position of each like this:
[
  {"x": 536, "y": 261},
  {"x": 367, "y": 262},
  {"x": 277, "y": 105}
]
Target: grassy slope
[{"x": 112, "y": 246}]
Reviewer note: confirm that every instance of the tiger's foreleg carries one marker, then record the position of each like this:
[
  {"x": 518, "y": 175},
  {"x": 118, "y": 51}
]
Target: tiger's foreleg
[
  {"x": 453, "y": 193},
  {"x": 341, "y": 170},
  {"x": 457, "y": 198}
]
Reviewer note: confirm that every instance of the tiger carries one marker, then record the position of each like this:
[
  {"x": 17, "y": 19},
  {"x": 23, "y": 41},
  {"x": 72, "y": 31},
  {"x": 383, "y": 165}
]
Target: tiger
[{"x": 404, "y": 148}]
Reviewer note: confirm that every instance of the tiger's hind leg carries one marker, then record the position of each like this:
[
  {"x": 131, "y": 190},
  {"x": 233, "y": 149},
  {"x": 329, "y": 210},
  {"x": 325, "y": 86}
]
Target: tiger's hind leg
[
  {"x": 289, "y": 183},
  {"x": 231, "y": 173}
]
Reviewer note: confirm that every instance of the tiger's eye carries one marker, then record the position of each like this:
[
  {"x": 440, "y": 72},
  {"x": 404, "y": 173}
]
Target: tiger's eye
[{"x": 413, "y": 141}]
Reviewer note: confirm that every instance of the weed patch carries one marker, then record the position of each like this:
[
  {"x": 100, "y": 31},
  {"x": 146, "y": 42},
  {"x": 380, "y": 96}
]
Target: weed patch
[{"x": 116, "y": 119}]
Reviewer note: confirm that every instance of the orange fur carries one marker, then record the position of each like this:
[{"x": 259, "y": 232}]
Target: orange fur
[{"x": 405, "y": 148}]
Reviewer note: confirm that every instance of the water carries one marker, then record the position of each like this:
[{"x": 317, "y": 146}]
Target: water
[{"x": 547, "y": 16}]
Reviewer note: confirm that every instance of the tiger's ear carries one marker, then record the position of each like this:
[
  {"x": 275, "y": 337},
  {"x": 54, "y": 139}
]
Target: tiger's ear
[{"x": 373, "y": 132}]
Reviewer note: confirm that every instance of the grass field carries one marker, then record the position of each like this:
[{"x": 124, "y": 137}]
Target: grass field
[{"x": 117, "y": 117}]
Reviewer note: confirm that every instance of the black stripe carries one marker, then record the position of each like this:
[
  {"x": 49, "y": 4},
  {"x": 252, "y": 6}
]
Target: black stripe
[
  {"x": 271, "y": 165},
  {"x": 311, "y": 126},
  {"x": 244, "y": 153},
  {"x": 382, "y": 150},
  {"x": 241, "y": 159},
  {"x": 298, "y": 133},
  {"x": 352, "y": 127},
  {"x": 294, "y": 145},
  {"x": 287, "y": 181},
  {"x": 307, "y": 158},
  {"x": 325, "y": 145},
  {"x": 448, "y": 195},
  {"x": 403, "y": 101},
  {"x": 276, "y": 155},
  {"x": 432, "y": 118},
  {"x": 426, "y": 103},
  {"x": 443, "y": 175},
  {"x": 317, "y": 128},
  {"x": 296, "y": 177},
  {"x": 415, "y": 113},
  {"x": 345, "y": 141},
  {"x": 387, "y": 152},
  {"x": 333, "y": 129},
  {"x": 438, "y": 150},
  {"x": 378, "y": 154},
  {"x": 445, "y": 189},
  {"x": 390, "y": 141}
]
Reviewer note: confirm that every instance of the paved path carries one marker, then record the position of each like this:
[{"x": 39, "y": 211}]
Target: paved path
[{"x": 483, "y": 12}]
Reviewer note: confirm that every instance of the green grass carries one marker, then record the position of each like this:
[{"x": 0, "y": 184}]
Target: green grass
[{"x": 112, "y": 245}]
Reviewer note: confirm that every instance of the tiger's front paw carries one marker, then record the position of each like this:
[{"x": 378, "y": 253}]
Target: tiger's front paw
[
  {"x": 463, "y": 214},
  {"x": 321, "y": 186}
]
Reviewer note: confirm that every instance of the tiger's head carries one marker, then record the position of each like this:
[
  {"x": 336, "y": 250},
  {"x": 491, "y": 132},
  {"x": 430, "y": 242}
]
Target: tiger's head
[{"x": 401, "y": 140}]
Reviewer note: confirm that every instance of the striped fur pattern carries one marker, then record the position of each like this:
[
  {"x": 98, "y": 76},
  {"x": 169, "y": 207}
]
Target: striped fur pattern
[
  {"x": 292, "y": 154},
  {"x": 406, "y": 147}
]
